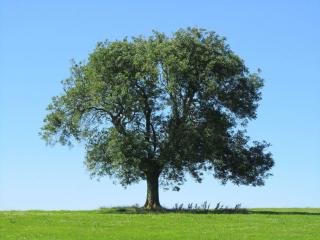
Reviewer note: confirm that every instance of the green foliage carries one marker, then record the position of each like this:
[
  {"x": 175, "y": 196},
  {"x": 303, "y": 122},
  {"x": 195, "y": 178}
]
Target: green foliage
[{"x": 162, "y": 105}]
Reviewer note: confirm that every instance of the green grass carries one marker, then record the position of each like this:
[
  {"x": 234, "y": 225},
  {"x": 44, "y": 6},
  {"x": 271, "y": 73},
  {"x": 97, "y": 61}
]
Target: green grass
[{"x": 111, "y": 224}]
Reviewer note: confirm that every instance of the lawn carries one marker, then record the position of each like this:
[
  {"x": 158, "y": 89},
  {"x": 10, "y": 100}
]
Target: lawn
[{"x": 261, "y": 224}]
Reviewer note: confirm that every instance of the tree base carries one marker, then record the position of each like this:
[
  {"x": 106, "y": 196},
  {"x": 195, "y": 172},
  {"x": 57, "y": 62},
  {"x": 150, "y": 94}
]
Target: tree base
[
  {"x": 152, "y": 200},
  {"x": 152, "y": 206}
]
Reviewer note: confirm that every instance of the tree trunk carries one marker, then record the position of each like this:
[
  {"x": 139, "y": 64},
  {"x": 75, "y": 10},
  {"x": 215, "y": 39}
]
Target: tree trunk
[{"x": 152, "y": 201}]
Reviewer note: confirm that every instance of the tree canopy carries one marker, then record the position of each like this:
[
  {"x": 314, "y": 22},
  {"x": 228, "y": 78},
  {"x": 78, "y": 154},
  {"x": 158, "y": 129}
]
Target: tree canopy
[{"x": 162, "y": 107}]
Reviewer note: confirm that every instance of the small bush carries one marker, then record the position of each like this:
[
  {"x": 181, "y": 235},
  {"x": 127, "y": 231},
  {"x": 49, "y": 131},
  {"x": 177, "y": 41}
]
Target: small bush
[{"x": 205, "y": 208}]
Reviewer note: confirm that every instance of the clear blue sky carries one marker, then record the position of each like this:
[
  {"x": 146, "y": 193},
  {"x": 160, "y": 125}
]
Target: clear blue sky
[{"x": 38, "y": 39}]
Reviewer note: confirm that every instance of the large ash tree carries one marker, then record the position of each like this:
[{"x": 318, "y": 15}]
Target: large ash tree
[{"x": 161, "y": 108}]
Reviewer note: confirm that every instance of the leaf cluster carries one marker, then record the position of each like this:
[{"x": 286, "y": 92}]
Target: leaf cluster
[{"x": 166, "y": 105}]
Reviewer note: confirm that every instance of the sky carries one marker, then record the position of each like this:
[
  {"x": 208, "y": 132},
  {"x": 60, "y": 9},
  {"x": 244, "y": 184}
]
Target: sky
[{"x": 38, "y": 39}]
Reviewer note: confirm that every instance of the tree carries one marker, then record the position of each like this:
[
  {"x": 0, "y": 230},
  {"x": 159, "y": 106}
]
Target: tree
[{"x": 159, "y": 108}]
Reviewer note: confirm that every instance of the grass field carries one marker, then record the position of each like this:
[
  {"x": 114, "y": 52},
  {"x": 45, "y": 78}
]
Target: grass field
[{"x": 261, "y": 224}]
